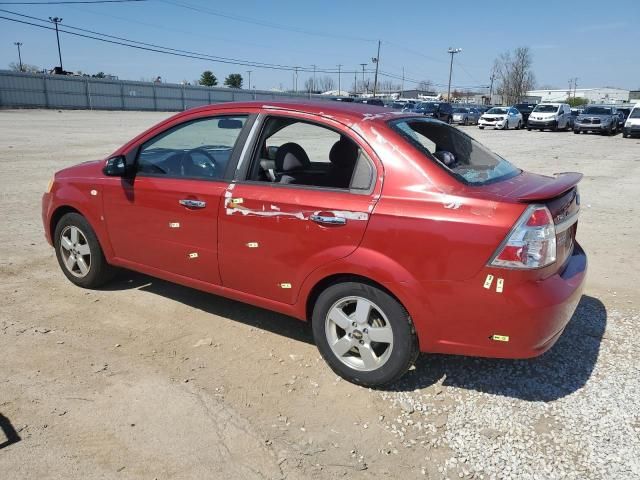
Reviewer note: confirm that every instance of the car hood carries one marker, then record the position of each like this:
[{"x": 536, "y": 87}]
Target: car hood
[
  {"x": 543, "y": 114},
  {"x": 90, "y": 169}
]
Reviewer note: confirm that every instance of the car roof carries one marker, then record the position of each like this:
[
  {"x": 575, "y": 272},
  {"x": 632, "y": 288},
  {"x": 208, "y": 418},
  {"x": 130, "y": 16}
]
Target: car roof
[{"x": 347, "y": 112}]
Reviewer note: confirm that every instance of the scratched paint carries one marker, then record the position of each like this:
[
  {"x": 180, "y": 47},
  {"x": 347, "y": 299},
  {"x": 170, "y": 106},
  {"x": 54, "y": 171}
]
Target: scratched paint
[{"x": 232, "y": 209}]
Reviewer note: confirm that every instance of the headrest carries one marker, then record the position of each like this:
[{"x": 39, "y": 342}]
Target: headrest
[
  {"x": 291, "y": 156},
  {"x": 344, "y": 153}
]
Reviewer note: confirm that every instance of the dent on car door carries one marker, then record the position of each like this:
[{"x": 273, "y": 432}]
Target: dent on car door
[
  {"x": 293, "y": 210},
  {"x": 164, "y": 217}
]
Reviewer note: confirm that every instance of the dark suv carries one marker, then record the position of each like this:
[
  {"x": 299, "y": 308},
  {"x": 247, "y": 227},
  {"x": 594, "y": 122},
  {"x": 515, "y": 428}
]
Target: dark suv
[
  {"x": 525, "y": 109},
  {"x": 438, "y": 110}
]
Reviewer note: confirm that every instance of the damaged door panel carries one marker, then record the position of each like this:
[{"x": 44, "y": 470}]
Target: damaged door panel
[{"x": 275, "y": 237}]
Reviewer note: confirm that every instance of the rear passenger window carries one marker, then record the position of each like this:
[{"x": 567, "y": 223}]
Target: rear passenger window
[
  {"x": 293, "y": 152},
  {"x": 198, "y": 149}
]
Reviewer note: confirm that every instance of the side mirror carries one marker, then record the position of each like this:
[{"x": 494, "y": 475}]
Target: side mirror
[{"x": 116, "y": 166}]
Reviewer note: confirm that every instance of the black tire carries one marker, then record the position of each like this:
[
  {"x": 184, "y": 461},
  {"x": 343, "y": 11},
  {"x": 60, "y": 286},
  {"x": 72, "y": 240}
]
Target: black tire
[
  {"x": 519, "y": 126},
  {"x": 99, "y": 271},
  {"x": 625, "y": 135},
  {"x": 576, "y": 132},
  {"x": 404, "y": 351},
  {"x": 529, "y": 129},
  {"x": 480, "y": 127}
]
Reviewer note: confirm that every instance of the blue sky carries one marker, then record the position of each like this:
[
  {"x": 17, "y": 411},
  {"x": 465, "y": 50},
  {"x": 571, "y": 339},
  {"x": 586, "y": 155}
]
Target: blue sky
[{"x": 598, "y": 44}]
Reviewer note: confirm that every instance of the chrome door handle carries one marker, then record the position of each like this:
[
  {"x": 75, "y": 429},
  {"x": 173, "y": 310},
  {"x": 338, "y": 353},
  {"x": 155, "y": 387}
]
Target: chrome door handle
[
  {"x": 185, "y": 202},
  {"x": 328, "y": 220}
]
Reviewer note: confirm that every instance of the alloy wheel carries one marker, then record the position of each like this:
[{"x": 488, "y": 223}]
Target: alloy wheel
[
  {"x": 75, "y": 251},
  {"x": 359, "y": 334}
]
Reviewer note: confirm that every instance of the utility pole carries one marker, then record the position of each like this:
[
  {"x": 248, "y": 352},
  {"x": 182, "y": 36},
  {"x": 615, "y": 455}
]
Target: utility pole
[
  {"x": 402, "y": 84},
  {"x": 249, "y": 74},
  {"x": 295, "y": 81},
  {"x": 313, "y": 82},
  {"x": 492, "y": 77},
  {"x": 18, "y": 44},
  {"x": 364, "y": 88},
  {"x": 575, "y": 85},
  {"x": 339, "y": 67},
  {"x": 452, "y": 52},
  {"x": 376, "y": 60},
  {"x": 56, "y": 21},
  {"x": 355, "y": 81}
]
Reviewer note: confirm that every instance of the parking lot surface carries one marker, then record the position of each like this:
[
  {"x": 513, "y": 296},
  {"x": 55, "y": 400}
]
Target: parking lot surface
[{"x": 146, "y": 379}]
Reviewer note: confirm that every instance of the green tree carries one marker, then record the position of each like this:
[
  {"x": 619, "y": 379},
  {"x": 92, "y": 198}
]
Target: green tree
[
  {"x": 234, "y": 80},
  {"x": 208, "y": 79},
  {"x": 576, "y": 101}
]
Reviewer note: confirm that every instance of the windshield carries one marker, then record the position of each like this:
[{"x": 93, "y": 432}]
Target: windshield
[
  {"x": 597, "y": 111},
  {"x": 454, "y": 150},
  {"x": 428, "y": 107},
  {"x": 546, "y": 108},
  {"x": 460, "y": 110},
  {"x": 501, "y": 111},
  {"x": 635, "y": 113}
]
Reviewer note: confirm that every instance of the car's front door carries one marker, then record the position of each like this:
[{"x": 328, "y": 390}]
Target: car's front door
[
  {"x": 164, "y": 217},
  {"x": 276, "y": 227}
]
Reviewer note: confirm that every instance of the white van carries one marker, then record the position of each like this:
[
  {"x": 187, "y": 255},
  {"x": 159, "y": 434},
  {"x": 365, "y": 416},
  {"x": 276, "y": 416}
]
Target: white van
[
  {"x": 554, "y": 116},
  {"x": 632, "y": 125}
]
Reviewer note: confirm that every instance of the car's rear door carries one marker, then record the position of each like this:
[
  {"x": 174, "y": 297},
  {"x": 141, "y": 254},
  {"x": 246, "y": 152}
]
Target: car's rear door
[
  {"x": 273, "y": 235},
  {"x": 164, "y": 217}
]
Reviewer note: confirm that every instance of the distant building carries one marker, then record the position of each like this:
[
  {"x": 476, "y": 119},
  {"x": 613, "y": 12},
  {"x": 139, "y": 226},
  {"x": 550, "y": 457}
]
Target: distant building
[
  {"x": 593, "y": 95},
  {"x": 634, "y": 96}
]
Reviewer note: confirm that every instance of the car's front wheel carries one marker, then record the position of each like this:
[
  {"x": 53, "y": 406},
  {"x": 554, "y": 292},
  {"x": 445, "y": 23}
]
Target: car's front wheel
[
  {"x": 79, "y": 253},
  {"x": 364, "y": 334}
]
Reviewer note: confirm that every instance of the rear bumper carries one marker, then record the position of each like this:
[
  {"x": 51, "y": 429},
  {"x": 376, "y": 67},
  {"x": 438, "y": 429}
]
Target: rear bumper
[{"x": 527, "y": 317}]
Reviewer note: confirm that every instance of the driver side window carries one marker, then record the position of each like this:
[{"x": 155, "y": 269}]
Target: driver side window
[{"x": 199, "y": 149}]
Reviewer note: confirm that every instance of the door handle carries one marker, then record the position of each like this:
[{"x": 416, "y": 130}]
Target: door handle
[
  {"x": 186, "y": 202},
  {"x": 328, "y": 220}
]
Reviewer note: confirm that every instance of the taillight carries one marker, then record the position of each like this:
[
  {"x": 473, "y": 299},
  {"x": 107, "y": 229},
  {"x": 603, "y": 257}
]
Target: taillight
[{"x": 531, "y": 243}]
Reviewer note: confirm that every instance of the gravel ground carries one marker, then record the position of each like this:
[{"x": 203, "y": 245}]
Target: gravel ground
[{"x": 146, "y": 379}]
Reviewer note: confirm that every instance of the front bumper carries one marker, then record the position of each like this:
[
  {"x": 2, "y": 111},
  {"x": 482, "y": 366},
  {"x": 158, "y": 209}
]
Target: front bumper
[
  {"x": 590, "y": 127},
  {"x": 632, "y": 130},
  {"x": 528, "y": 315},
  {"x": 541, "y": 123},
  {"x": 484, "y": 123},
  {"x": 46, "y": 207}
]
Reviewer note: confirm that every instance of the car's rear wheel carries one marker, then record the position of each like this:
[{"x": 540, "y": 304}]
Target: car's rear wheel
[
  {"x": 576, "y": 132},
  {"x": 79, "y": 253},
  {"x": 364, "y": 334},
  {"x": 480, "y": 127},
  {"x": 519, "y": 126}
]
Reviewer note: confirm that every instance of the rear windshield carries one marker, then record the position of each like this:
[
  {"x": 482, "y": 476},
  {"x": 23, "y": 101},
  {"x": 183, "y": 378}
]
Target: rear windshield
[
  {"x": 454, "y": 150},
  {"x": 546, "y": 108},
  {"x": 500, "y": 111},
  {"x": 460, "y": 110}
]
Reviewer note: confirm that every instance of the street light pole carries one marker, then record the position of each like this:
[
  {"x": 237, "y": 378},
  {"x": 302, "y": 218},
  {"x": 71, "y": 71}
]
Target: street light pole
[
  {"x": 452, "y": 52},
  {"x": 56, "y": 21},
  {"x": 18, "y": 44},
  {"x": 249, "y": 74},
  {"x": 375, "y": 78},
  {"x": 339, "y": 67}
]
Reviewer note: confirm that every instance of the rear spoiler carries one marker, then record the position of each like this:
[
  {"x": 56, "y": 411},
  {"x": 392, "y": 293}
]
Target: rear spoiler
[{"x": 551, "y": 187}]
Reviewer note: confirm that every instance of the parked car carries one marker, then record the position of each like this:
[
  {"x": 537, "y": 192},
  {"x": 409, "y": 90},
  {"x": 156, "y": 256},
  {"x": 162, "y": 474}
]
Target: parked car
[
  {"x": 597, "y": 118},
  {"x": 525, "y": 109},
  {"x": 623, "y": 114},
  {"x": 343, "y": 99},
  {"x": 502, "y": 118},
  {"x": 377, "y": 263},
  {"x": 552, "y": 116},
  {"x": 371, "y": 101},
  {"x": 438, "y": 110},
  {"x": 632, "y": 125},
  {"x": 465, "y": 115}
]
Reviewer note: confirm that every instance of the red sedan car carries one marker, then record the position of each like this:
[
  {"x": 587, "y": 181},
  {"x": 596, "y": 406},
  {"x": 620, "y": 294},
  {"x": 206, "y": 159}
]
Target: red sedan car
[{"x": 390, "y": 232}]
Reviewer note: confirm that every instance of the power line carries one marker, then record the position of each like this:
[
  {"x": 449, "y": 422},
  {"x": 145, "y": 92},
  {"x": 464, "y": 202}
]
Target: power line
[
  {"x": 261, "y": 23},
  {"x": 71, "y": 2},
  {"x": 159, "y": 48}
]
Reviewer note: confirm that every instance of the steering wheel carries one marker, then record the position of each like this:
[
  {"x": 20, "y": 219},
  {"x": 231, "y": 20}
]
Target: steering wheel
[{"x": 207, "y": 169}]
